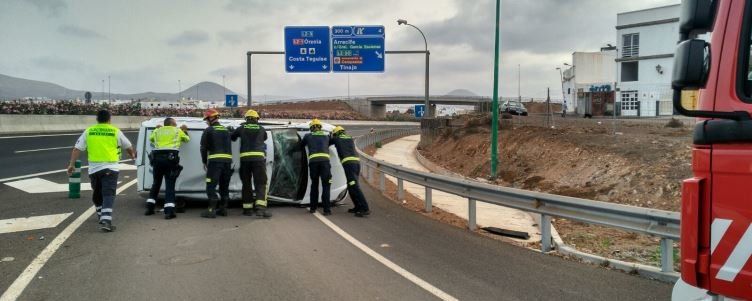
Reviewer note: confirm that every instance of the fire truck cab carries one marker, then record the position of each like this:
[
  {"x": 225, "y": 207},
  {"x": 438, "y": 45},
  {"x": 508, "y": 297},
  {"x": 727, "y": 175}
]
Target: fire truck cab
[{"x": 716, "y": 226}]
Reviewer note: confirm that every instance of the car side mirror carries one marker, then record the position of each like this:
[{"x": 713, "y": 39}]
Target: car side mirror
[
  {"x": 691, "y": 64},
  {"x": 696, "y": 16}
]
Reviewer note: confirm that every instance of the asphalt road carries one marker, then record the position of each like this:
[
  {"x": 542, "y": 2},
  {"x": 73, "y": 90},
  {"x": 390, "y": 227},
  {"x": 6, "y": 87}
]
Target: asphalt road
[{"x": 293, "y": 256}]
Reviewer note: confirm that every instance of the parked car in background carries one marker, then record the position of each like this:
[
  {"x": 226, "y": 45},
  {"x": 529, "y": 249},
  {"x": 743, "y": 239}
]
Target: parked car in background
[{"x": 513, "y": 107}]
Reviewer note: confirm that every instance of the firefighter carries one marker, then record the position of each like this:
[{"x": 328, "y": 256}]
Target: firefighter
[
  {"x": 252, "y": 164},
  {"x": 351, "y": 164},
  {"x": 319, "y": 167},
  {"x": 165, "y": 162},
  {"x": 216, "y": 155},
  {"x": 103, "y": 143}
]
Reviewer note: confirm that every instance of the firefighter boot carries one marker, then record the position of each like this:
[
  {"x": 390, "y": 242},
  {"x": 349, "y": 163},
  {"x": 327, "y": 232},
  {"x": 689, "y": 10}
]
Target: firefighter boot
[
  {"x": 262, "y": 212},
  {"x": 209, "y": 213},
  {"x": 150, "y": 204},
  {"x": 222, "y": 208},
  {"x": 249, "y": 210}
]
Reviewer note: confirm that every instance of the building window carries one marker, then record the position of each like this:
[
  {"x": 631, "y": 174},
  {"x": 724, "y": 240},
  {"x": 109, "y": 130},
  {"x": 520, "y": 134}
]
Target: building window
[
  {"x": 630, "y": 45},
  {"x": 629, "y": 101},
  {"x": 629, "y": 71}
]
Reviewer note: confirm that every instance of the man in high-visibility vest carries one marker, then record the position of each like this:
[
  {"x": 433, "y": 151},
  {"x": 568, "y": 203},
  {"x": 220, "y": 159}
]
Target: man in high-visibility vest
[
  {"x": 216, "y": 154},
  {"x": 252, "y": 164},
  {"x": 165, "y": 162},
  {"x": 351, "y": 164},
  {"x": 319, "y": 167},
  {"x": 103, "y": 143}
]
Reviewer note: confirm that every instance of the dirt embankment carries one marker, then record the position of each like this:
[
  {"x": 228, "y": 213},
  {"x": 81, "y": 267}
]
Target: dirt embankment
[
  {"x": 643, "y": 166},
  {"x": 335, "y": 110}
]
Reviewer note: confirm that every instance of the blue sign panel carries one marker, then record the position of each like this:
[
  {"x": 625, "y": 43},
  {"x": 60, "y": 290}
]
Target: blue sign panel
[
  {"x": 420, "y": 110},
  {"x": 358, "y": 49},
  {"x": 231, "y": 100},
  {"x": 307, "y": 49}
]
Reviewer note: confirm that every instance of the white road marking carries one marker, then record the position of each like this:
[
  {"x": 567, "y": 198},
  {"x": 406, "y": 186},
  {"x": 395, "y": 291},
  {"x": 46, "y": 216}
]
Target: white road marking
[
  {"x": 40, "y": 149},
  {"x": 39, "y": 185},
  {"x": 738, "y": 258},
  {"x": 717, "y": 229},
  {"x": 53, "y": 135},
  {"x": 19, "y": 285},
  {"x": 383, "y": 260},
  {"x": 46, "y": 173},
  {"x": 32, "y": 223}
]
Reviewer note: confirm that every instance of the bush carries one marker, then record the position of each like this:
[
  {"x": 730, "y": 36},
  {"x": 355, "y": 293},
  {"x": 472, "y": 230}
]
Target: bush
[
  {"x": 377, "y": 144},
  {"x": 674, "y": 123}
]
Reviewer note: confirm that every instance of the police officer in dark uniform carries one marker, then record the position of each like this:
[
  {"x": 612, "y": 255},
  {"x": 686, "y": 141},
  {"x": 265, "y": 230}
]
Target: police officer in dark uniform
[
  {"x": 165, "y": 162},
  {"x": 319, "y": 167},
  {"x": 216, "y": 154},
  {"x": 351, "y": 164},
  {"x": 252, "y": 164}
]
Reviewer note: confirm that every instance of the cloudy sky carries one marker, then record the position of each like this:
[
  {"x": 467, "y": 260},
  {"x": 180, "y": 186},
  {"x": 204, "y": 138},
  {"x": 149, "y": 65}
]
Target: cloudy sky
[{"x": 146, "y": 45}]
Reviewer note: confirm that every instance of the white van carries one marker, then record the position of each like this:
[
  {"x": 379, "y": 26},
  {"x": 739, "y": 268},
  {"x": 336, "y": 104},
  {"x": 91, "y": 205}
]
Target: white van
[{"x": 287, "y": 171}]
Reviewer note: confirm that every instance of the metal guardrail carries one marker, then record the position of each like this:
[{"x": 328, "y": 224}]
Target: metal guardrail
[{"x": 664, "y": 224}]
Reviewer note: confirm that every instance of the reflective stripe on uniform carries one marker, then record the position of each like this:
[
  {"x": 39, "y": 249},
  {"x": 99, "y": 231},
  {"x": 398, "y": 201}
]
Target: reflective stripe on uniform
[
  {"x": 106, "y": 210},
  {"x": 252, "y": 154},
  {"x": 261, "y": 203},
  {"x": 348, "y": 159},
  {"x": 319, "y": 155},
  {"x": 247, "y": 206},
  {"x": 217, "y": 156},
  {"x": 351, "y": 183},
  {"x": 151, "y": 201},
  {"x": 105, "y": 217},
  {"x": 169, "y": 205},
  {"x": 208, "y": 180}
]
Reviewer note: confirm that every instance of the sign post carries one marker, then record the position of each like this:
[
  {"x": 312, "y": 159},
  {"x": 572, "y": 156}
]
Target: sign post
[
  {"x": 307, "y": 49},
  {"x": 358, "y": 48}
]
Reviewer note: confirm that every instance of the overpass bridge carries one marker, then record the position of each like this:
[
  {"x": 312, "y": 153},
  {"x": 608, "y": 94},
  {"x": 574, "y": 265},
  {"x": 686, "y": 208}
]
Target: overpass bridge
[{"x": 375, "y": 106}]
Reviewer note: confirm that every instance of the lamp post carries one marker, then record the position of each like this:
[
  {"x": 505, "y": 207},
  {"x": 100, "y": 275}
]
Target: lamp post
[
  {"x": 495, "y": 113},
  {"x": 180, "y": 91},
  {"x": 425, "y": 41}
]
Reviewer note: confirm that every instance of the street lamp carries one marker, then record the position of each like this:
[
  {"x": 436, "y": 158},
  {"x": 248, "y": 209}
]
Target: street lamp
[
  {"x": 180, "y": 91},
  {"x": 425, "y": 41},
  {"x": 563, "y": 98}
]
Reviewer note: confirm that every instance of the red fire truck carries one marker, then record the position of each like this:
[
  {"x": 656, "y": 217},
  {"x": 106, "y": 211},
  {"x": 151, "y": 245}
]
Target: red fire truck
[{"x": 716, "y": 228}]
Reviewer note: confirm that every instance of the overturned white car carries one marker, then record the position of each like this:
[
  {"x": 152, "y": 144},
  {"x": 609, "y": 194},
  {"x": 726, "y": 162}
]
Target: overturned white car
[{"x": 287, "y": 166}]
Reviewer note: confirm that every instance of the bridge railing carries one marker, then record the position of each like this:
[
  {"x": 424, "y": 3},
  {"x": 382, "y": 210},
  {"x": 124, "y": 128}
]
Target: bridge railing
[{"x": 660, "y": 223}]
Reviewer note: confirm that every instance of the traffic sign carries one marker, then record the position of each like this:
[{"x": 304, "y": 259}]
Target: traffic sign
[
  {"x": 358, "y": 49},
  {"x": 231, "y": 100},
  {"x": 307, "y": 49},
  {"x": 420, "y": 110}
]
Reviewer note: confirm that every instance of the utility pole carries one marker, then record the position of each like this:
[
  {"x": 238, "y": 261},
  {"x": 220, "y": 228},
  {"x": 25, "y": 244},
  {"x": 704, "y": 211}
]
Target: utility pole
[
  {"x": 519, "y": 94},
  {"x": 180, "y": 91},
  {"x": 109, "y": 89},
  {"x": 495, "y": 113},
  {"x": 223, "y": 84},
  {"x": 102, "y": 90}
]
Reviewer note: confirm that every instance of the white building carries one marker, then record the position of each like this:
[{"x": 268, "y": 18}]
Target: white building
[
  {"x": 590, "y": 72},
  {"x": 646, "y": 41}
]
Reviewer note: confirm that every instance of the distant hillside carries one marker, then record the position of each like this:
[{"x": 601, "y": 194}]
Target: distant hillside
[
  {"x": 15, "y": 88},
  {"x": 461, "y": 92}
]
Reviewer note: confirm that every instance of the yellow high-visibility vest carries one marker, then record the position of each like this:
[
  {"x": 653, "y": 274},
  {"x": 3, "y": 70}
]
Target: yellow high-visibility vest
[
  {"x": 168, "y": 137},
  {"x": 102, "y": 143}
]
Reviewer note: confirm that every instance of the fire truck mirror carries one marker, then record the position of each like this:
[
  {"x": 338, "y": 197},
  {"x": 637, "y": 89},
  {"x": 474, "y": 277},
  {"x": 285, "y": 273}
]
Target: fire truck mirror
[
  {"x": 691, "y": 64},
  {"x": 696, "y": 16}
]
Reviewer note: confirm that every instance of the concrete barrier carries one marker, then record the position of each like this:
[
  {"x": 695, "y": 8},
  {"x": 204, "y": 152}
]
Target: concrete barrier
[{"x": 21, "y": 124}]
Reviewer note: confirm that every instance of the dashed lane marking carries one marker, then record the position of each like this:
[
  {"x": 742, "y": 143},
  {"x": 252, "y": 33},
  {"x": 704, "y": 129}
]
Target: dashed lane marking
[
  {"x": 40, "y": 149},
  {"x": 383, "y": 260},
  {"x": 19, "y": 285}
]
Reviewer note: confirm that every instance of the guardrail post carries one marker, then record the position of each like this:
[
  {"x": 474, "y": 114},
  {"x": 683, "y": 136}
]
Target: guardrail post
[
  {"x": 429, "y": 206},
  {"x": 400, "y": 190},
  {"x": 667, "y": 255},
  {"x": 545, "y": 224},
  {"x": 471, "y": 215},
  {"x": 382, "y": 180}
]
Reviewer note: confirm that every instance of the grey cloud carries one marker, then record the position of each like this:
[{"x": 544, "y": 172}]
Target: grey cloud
[
  {"x": 189, "y": 38},
  {"x": 79, "y": 32},
  {"x": 53, "y": 8},
  {"x": 58, "y": 64},
  {"x": 228, "y": 71}
]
